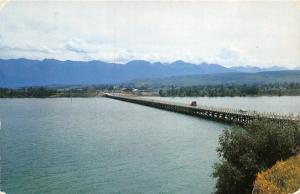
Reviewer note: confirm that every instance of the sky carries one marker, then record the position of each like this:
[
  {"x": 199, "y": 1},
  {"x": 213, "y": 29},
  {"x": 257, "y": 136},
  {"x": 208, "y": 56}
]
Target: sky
[{"x": 230, "y": 33}]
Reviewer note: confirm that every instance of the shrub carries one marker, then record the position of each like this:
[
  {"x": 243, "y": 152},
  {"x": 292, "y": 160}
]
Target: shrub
[
  {"x": 283, "y": 177},
  {"x": 246, "y": 151}
]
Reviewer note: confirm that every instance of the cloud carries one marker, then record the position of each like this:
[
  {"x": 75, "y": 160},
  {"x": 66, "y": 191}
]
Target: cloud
[
  {"x": 229, "y": 54},
  {"x": 27, "y": 47},
  {"x": 2, "y": 4},
  {"x": 77, "y": 46},
  {"x": 81, "y": 46},
  {"x": 235, "y": 33},
  {"x": 298, "y": 3}
]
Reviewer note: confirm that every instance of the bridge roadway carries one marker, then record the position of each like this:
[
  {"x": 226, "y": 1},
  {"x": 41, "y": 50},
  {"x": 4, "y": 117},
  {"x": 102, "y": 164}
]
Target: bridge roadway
[{"x": 213, "y": 113}]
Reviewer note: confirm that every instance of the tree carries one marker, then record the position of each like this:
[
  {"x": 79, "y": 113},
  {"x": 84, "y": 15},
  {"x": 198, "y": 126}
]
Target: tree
[{"x": 246, "y": 151}]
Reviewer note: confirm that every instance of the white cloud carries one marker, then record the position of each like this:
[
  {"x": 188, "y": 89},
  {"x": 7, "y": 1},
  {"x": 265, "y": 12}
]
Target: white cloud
[
  {"x": 79, "y": 46},
  {"x": 229, "y": 33}
]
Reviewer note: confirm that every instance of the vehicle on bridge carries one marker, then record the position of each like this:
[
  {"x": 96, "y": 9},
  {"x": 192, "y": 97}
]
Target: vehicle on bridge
[
  {"x": 243, "y": 110},
  {"x": 193, "y": 103}
]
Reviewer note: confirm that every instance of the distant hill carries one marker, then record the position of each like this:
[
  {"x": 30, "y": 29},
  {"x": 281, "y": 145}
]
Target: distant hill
[
  {"x": 25, "y": 72},
  {"x": 253, "y": 69},
  {"x": 223, "y": 78}
]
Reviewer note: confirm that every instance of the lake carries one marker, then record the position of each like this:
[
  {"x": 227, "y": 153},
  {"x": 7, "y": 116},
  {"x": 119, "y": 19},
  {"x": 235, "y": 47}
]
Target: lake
[{"x": 99, "y": 145}]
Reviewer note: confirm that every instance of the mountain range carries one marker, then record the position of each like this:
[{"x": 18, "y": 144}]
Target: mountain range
[
  {"x": 236, "y": 78},
  {"x": 25, "y": 72}
]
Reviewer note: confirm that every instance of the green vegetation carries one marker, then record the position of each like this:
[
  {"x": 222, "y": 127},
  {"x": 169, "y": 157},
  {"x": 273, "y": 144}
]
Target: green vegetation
[
  {"x": 45, "y": 92},
  {"x": 271, "y": 89},
  {"x": 246, "y": 151},
  {"x": 283, "y": 177},
  {"x": 26, "y": 92}
]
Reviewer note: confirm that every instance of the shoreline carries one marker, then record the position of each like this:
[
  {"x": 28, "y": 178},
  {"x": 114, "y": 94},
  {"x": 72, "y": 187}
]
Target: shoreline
[{"x": 97, "y": 96}]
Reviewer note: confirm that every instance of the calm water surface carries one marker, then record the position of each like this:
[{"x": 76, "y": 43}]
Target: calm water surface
[{"x": 98, "y": 145}]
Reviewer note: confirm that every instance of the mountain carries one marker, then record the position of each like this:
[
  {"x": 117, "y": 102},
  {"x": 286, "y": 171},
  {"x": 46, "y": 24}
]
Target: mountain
[
  {"x": 25, "y": 72},
  {"x": 222, "y": 78},
  {"x": 253, "y": 69}
]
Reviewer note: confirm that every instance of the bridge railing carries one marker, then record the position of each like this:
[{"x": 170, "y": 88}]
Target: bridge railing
[
  {"x": 235, "y": 111},
  {"x": 249, "y": 113}
]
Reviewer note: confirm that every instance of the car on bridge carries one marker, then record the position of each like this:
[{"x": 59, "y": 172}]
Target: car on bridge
[
  {"x": 193, "y": 103},
  {"x": 243, "y": 110}
]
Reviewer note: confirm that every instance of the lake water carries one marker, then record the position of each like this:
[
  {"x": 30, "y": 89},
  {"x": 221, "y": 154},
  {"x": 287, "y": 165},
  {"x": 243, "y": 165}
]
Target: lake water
[{"x": 99, "y": 145}]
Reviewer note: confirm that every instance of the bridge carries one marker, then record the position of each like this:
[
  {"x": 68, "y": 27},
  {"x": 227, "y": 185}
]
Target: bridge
[{"x": 226, "y": 115}]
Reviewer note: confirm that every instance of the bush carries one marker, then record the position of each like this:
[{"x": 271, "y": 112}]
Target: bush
[
  {"x": 283, "y": 177},
  {"x": 246, "y": 151}
]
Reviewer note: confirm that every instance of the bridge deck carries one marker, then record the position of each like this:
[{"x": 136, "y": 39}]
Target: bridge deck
[{"x": 220, "y": 114}]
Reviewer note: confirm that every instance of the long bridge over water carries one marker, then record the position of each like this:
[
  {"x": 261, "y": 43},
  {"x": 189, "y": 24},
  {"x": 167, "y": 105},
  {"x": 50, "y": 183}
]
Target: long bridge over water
[{"x": 213, "y": 113}]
